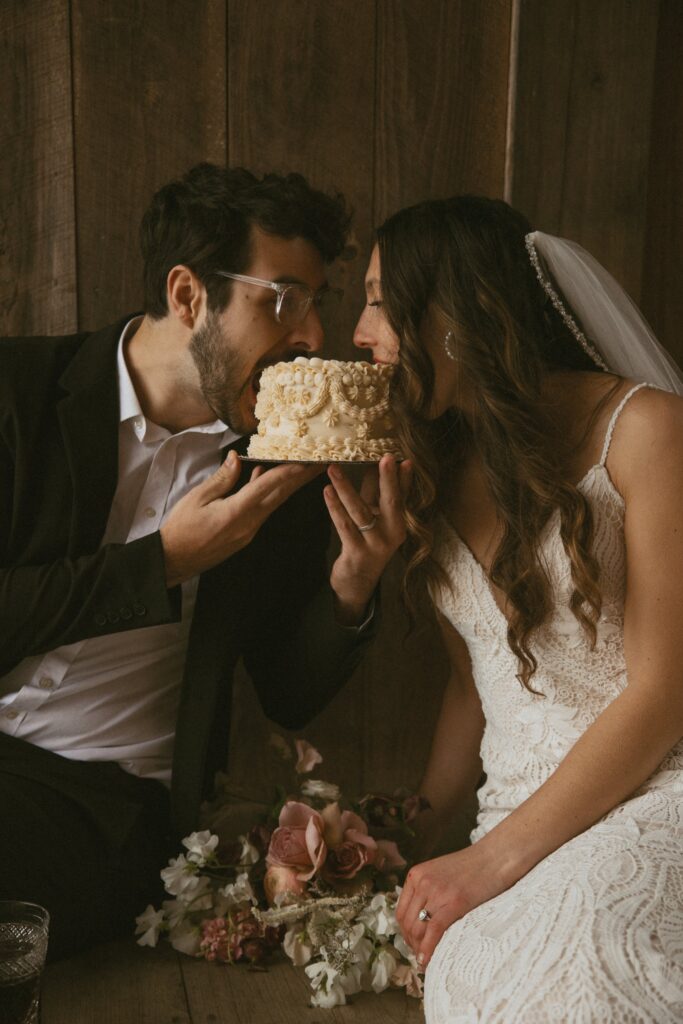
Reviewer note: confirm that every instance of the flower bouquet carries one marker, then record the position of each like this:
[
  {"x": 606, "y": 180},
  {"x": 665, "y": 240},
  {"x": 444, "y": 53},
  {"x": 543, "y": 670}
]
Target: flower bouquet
[{"x": 316, "y": 878}]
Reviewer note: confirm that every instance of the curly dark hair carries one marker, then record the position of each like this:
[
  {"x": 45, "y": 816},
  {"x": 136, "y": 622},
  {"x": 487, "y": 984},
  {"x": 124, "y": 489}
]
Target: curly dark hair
[
  {"x": 465, "y": 258},
  {"x": 204, "y": 221}
]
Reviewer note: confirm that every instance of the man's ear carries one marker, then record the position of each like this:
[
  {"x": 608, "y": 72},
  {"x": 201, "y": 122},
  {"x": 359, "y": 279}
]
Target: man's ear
[{"x": 185, "y": 294}]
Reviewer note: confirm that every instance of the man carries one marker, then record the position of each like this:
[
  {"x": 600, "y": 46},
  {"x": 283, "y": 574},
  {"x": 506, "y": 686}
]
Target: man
[{"x": 135, "y": 568}]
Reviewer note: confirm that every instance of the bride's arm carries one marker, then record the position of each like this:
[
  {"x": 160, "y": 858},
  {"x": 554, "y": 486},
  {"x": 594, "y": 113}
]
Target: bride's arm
[
  {"x": 629, "y": 739},
  {"x": 454, "y": 765}
]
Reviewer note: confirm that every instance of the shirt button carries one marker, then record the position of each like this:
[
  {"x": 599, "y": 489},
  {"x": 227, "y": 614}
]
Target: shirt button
[
  {"x": 100, "y": 619},
  {"x": 150, "y": 513},
  {"x": 125, "y": 612},
  {"x": 46, "y": 683},
  {"x": 11, "y": 713},
  {"x": 113, "y": 616},
  {"x": 139, "y": 608}
]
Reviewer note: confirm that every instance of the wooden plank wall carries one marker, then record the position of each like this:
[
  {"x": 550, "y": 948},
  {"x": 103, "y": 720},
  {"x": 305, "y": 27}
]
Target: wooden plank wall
[
  {"x": 662, "y": 296},
  {"x": 572, "y": 109},
  {"x": 580, "y": 131},
  {"x": 38, "y": 268}
]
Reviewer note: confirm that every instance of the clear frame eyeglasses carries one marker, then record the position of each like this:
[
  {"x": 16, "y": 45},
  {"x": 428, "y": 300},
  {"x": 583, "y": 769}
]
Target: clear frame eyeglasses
[{"x": 294, "y": 300}]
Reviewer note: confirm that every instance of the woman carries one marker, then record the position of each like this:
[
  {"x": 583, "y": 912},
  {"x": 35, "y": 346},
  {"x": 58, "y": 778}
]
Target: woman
[{"x": 545, "y": 521}]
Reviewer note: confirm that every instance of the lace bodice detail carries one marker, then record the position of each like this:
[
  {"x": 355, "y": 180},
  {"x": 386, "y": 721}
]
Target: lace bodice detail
[{"x": 527, "y": 734}]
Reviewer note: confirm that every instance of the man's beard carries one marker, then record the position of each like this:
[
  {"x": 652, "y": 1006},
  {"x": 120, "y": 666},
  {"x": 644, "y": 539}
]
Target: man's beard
[{"x": 218, "y": 366}]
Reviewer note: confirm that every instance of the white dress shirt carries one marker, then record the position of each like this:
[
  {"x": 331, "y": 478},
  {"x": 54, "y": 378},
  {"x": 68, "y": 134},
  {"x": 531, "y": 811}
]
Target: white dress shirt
[{"x": 115, "y": 698}]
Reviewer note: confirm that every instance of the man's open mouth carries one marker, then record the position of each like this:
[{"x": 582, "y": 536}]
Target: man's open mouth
[{"x": 255, "y": 379}]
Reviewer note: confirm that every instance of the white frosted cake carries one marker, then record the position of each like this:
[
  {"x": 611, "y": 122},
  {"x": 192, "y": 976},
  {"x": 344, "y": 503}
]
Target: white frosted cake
[{"x": 324, "y": 410}]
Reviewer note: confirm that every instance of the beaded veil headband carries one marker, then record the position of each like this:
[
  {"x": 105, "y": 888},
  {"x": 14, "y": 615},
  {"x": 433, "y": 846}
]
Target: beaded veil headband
[
  {"x": 559, "y": 305},
  {"x": 606, "y": 323}
]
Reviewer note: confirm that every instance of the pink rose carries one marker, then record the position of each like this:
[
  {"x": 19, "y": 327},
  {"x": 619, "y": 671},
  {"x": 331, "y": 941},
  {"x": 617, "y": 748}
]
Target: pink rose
[
  {"x": 298, "y": 842},
  {"x": 350, "y": 846},
  {"x": 345, "y": 861},
  {"x": 307, "y": 757},
  {"x": 278, "y": 880},
  {"x": 388, "y": 856}
]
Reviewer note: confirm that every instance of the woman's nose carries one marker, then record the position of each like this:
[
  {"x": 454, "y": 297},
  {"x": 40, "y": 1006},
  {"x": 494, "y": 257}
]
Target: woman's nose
[{"x": 362, "y": 338}]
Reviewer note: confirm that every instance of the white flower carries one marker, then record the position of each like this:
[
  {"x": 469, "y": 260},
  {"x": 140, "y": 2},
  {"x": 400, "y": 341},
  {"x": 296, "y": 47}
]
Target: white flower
[
  {"x": 405, "y": 950},
  {"x": 179, "y": 876},
  {"x": 185, "y": 937},
  {"x": 149, "y": 924},
  {"x": 379, "y": 916},
  {"x": 239, "y": 891},
  {"x": 351, "y": 980},
  {"x": 200, "y": 846},
  {"x": 322, "y": 790},
  {"x": 200, "y": 897},
  {"x": 408, "y": 977},
  {"x": 326, "y": 985},
  {"x": 175, "y": 911},
  {"x": 249, "y": 854},
  {"x": 297, "y": 945},
  {"x": 356, "y": 939},
  {"x": 382, "y": 967},
  {"x": 358, "y": 971}
]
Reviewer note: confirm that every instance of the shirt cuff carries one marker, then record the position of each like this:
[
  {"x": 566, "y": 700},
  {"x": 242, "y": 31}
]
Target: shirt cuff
[{"x": 366, "y": 621}]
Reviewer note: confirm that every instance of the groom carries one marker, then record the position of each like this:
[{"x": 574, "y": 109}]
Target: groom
[{"x": 138, "y": 563}]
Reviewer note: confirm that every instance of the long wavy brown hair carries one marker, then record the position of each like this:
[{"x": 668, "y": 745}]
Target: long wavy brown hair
[{"x": 464, "y": 259}]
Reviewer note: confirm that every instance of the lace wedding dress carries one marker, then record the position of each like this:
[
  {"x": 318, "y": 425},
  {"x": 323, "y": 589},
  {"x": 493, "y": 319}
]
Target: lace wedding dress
[{"x": 595, "y": 931}]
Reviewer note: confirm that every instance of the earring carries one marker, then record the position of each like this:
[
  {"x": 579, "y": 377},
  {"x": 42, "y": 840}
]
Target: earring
[{"x": 448, "y": 346}]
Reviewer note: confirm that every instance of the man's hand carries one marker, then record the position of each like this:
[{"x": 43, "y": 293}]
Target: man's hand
[
  {"x": 209, "y": 524},
  {"x": 371, "y": 527}
]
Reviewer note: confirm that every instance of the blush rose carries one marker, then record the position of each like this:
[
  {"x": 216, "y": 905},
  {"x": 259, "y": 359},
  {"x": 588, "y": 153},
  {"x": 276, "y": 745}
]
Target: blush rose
[{"x": 298, "y": 842}]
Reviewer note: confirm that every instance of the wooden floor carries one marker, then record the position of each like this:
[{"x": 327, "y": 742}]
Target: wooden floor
[{"x": 123, "y": 983}]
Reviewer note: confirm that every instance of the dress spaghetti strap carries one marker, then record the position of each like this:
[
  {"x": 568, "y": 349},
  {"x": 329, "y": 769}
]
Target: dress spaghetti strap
[{"x": 615, "y": 416}]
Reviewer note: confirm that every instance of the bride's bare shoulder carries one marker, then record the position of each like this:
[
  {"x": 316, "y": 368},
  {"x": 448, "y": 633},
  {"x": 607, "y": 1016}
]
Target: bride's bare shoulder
[{"x": 647, "y": 440}]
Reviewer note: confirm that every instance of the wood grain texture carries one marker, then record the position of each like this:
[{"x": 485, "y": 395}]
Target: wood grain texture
[
  {"x": 122, "y": 983},
  {"x": 116, "y": 983},
  {"x": 442, "y": 85},
  {"x": 663, "y": 259},
  {"x": 301, "y": 87},
  {"x": 581, "y": 144},
  {"x": 149, "y": 101},
  {"x": 37, "y": 238}
]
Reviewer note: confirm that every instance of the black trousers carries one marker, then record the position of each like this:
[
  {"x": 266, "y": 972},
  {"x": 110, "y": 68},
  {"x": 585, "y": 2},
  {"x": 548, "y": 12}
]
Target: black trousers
[{"x": 85, "y": 840}]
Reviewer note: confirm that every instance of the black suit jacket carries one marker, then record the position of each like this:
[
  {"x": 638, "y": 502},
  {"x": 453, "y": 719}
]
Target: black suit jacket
[{"x": 270, "y": 603}]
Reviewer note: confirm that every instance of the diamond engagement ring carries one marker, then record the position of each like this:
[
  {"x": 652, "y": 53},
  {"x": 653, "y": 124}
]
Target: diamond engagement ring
[
  {"x": 369, "y": 526},
  {"x": 424, "y": 915}
]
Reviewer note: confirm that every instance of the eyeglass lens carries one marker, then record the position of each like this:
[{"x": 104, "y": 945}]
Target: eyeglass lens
[{"x": 297, "y": 300}]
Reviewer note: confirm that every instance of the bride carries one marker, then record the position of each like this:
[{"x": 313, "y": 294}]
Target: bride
[{"x": 545, "y": 522}]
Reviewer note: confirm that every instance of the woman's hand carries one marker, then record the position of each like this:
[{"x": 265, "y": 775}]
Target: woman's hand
[
  {"x": 447, "y": 888},
  {"x": 371, "y": 528}
]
